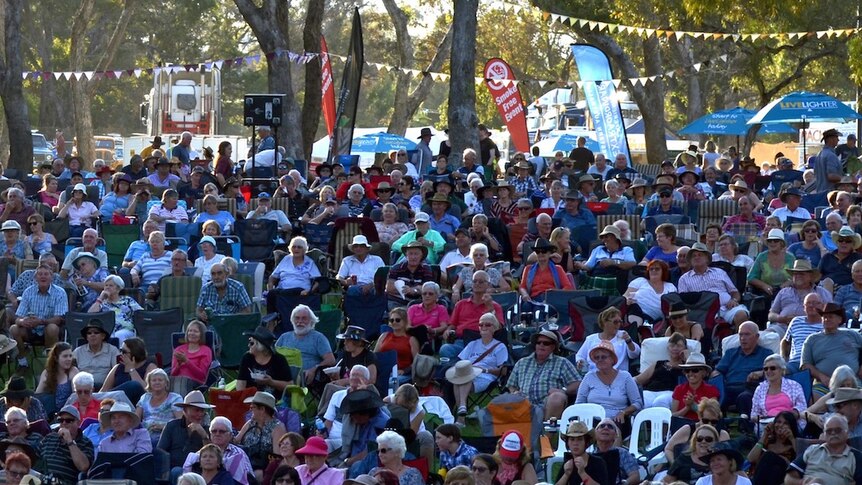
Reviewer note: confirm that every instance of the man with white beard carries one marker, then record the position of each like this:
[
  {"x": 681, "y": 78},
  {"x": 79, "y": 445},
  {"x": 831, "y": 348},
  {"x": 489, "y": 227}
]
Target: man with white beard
[
  {"x": 314, "y": 346},
  {"x": 222, "y": 295}
]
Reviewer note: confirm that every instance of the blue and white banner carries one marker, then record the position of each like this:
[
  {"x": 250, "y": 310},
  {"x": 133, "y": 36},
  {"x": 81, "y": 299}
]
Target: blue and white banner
[{"x": 593, "y": 65}]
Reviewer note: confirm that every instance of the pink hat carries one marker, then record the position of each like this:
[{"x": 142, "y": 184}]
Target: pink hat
[
  {"x": 511, "y": 444},
  {"x": 314, "y": 446}
]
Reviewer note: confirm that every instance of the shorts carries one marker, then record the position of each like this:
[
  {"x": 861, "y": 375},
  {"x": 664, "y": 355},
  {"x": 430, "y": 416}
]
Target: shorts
[
  {"x": 482, "y": 381},
  {"x": 730, "y": 313}
]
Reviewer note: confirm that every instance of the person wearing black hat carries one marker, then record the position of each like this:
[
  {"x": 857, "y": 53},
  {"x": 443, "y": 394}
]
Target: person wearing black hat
[
  {"x": 18, "y": 394},
  {"x": 542, "y": 275},
  {"x": 156, "y": 144},
  {"x": 828, "y": 169},
  {"x": 575, "y": 215},
  {"x": 262, "y": 367},
  {"x": 792, "y": 199},
  {"x": 363, "y": 413},
  {"x": 96, "y": 355},
  {"x": 423, "y": 158}
]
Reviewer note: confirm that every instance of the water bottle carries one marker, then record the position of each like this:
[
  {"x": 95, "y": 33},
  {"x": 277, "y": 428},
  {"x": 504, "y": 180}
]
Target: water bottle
[
  {"x": 393, "y": 385},
  {"x": 220, "y": 383},
  {"x": 321, "y": 427}
]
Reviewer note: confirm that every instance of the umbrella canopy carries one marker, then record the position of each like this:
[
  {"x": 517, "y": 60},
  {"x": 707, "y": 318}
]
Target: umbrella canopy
[
  {"x": 804, "y": 106},
  {"x": 730, "y": 122},
  {"x": 564, "y": 143},
  {"x": 381, "y": 143}
]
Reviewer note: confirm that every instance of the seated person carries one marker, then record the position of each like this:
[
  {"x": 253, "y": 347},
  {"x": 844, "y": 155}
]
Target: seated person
[
  {"x": 359, "y": 377},
  {"x": 89, "y": 240},
  {"x": 468, "y": 312},
  {"x": 398, "y": 339},
  {"x": 142, "y": 195},
  {"x": 296, "y": 273},
  {"x": 157, "y": 406},
  {"x": 264, "y": 210},
  {"x": 702, "y": 277},
  {"x": 609, "y": 322},
  {"x": 168, "y": 210},
  {"x": 17, "y": 432},
  {"x": 816, "y": 464},
  {"x": 18, "y": 394},
  {"x": 185, "y": 434},
  {"x": 665, "y": 204},
  {"x": 234, "y": 458},
  {"x": 211, "y": 212},
  {"x": 83, "y": 386},
  {"x": 150, "y": 268},
  {"x": 787, "y": 304},
  {"x": 140, "y": 247},
  {"x": 222, "y": 296},
  {"x": 818, "y": 351},
  {"x": 207, "y": 258},
  {"x": 130, "y": 374},
  {"x": 688, "y": 395},
  {"x": 849, "y": 296},
  {"x": 12, "y": 246},
  {"x": 777, "y": 394},
  {"x": 88, "y": 280},
  {"x": 28, "y": 278},
  {"x": 610, "y": 257},
  {"x": 486, "y": 354},
  {"x": 15, "y": 208},
  {"x": 461, "y": 253},
  {"x": 406, "y": 278},
  {"x": 262, "y": 367},
  {"x": 478, "y": 262},
  {"x": 742, "y": 368},
  {"x": 550, "y": 387},
  {"x": 429, "y": 312},
  {"x": 190, "y": 364},
  {"x": 163, "y": 177},
  {"x": 363, "y": 413},
  {"x": 542, "y": 275},
  {"x": 127, "y": 437},
  {"x": 123, "y": 306},
  {"x": 836, "y": 265},
  {"x": 260, "y": 434},
  {"x": 480, "y": 234},
  {"x": 40, "y": 312},
  {"x": 78, "y": 210},
  {"x": 67, "y": 452},
  {"x": 356, "y": 352},
  {"x": 430, "y": 239},
  {"x": 313, "y": 345},
  {"x": 356, "y": 272}
]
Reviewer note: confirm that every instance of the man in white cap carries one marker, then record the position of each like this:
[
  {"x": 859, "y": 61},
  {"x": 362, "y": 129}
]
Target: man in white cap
[{"x": 356, "y": 273}]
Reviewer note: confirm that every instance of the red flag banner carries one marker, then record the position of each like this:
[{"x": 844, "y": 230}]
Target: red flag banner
[
  {"x": 327, "y": 88},
  {"x": 507, "y": 96}
]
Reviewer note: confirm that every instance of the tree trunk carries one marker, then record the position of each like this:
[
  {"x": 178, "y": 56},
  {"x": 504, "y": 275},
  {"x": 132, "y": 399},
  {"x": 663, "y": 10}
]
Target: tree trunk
[
  {"x": 311, "y": 103},
  {"x": 270, "y": 23},
  {"x": 11, "y": 85},
  {"x": 463, "y": 122},
  {"x": 51, "y": 111}
]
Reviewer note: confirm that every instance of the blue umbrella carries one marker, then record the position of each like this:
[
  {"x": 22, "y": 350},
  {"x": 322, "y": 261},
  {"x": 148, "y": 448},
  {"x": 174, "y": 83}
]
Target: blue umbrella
[
  {"x": 563, "y": 143},
  {"x": 381, "y": 143},
  {"x": 730, "y": 122},
  {"x": 802, "y": 106}
]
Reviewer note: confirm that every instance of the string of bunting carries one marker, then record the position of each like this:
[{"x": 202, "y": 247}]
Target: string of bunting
[{"x": 644, "y": 32}]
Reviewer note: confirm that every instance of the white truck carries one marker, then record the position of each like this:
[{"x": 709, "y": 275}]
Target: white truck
[{"x": 181, "y": 101}]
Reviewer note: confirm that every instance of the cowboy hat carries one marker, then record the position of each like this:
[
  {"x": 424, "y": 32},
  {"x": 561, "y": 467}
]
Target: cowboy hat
[
  {"x": 463, "y": 372},
  {"x": 20, "y": 443},
  {"x": 791, "y": 191},
  {"x": 739, "y": 185},
  {"x": 523, "y": 165},
  {"x": 659, "y": 181},
  {"x": 747, "y": 162},
  {"x": 93, "y": 324},
  {"x": 727, "y": 449},
  {"x": 362, "y": 400},
  {"x": 696, "y": 361},
  {"x": 119, "y": 407},
  {"x": 384, "y": 187},
  {"x": 622, "y": 177},
  {"x": 501, "y": 185},
  {"x": 584, "y": 179},
  {"x": 606, "y": 346},
  {"x": 637, "y": 183},
  {"x": 194, "y": 399},
  {"x": 7, "y": 344},
  {"x": 577, "y": 429},
  {"x": 573, "y": 195},
  {"x": 847, "y": 232},
  {"x": 612, "y": 230},
  {"x": 315, "y": 445},
  {"x": 16, "y": 389},
  {"x": 353, "y": 332},
  {"x": 845, "y": 394},
  {"x": 677, "y": 309},
  {"x": 157, "y": 141},
  {"x": 262, "y": 398},
  {"x": 264, "y": 336},
  {"x": 698, "y": 247},
  {"x": 438, "y": 197},
  {"x": 833, "y": 309},
  {"x": 804, "y": 266},
  {"x": 415, "y": 245},
  {"x": 425, "y": 132},
  {"x": 830, "y": 133}
]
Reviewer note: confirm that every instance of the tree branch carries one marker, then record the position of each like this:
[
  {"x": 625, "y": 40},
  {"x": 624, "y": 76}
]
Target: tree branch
[{"x": 418, "y": 95}]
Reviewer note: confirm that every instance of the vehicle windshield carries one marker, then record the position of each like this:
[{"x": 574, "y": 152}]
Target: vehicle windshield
[
  {"x": 39, "y": 141},
  {"x": 105, "y": 144}
]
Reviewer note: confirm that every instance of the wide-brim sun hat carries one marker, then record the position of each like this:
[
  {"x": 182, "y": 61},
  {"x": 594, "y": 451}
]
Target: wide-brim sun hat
[
  {"x": 696, "y": 361},
  {"x": 604, "y": 346},
  {"x": 462, "y": 372},
  {"x": 698, "y": 248},
  {"x": 194, "y": 399},
  {"x": 7, "y": 344},
  {"x": 845, "y": 394},
  {"x": 86, "y": 255},
  {"x": 576, "y": 429},
  {"x": 119, "y": 407},
  {"x": 263, "y": 399},
  {"x": 264, "y": 336},
  {"x": 415, "y": 245},
  {"x": 315, "y": 445},
  {"x": 727, "y": 449},
  {"x": 804, "y": 266},
  {"x": 847, "y": 232}
]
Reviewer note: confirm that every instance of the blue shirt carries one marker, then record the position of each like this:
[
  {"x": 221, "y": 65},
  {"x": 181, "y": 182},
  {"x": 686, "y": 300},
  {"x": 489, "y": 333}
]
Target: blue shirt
[
  {"x": 267, "y": 143},
  {"x": 290, "y": 276},
  {"x": 735, "y": 366},
  {"x": 181, "y": 152},
  {"x": 112, "y": 202},
  {"x": 46, "y": 305},
  {"x": 312, "y": 347},
  {"x": 812, "y": 255},
  {"x": 583, "y": 218},
  {"x": 234, "y": 300},
  {"x": 826, "y": 163},
  {"x": 224, "y": 219},
  {"x": 848, "y": 296},
  {"x": 136, "y": 250},
  {"x": 447, "y": 224}
]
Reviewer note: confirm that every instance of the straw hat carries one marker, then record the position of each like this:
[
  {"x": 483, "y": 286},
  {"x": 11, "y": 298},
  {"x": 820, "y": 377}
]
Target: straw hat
[
  {"x": 262, "y": 398},
  {"x": 119, "y": 407},
  {"x": 462, "y": 372},
  {"x": 194, "y": 399},
  {"x": 696, "y": 361},
  {"x": 845, "y": 394},
  {"x": 606, "y": 346},
  {"x": 577, "y": 429},
  {"x": 847, "y": 232},
  {"x": 804, "y": 266},
  {"x": 739, "y": 185}
]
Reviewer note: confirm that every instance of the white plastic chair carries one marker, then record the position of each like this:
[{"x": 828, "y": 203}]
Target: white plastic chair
[
  {"x": 587, "y": 413},
  {"x": 659, "y": 427}
]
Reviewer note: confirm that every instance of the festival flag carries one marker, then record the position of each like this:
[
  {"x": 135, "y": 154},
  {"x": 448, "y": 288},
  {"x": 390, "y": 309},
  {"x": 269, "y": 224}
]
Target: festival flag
[
  {"x": 342, "y": 137},
  {"x": 501, "y": 83},
  {"x": 594, "y": 69},
  {"x": 327, "y": 89}
]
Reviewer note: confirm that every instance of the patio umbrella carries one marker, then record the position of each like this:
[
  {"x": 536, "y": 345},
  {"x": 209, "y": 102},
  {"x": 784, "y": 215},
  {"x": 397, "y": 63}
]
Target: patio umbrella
[
  {"x": 730, "y": 122},
  {"x": 563, "y": 143},
  {"x": 802, "y": 107},
  {"x": 381, "y": 143}
]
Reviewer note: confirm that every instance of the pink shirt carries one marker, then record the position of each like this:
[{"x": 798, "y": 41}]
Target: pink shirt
[
  {"x": 776, "y": 403},
  {"x": 436, "y": 318},
  {"x": 198, "y": 365}
]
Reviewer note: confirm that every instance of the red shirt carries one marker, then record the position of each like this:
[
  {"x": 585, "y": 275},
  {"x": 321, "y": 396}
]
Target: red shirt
[
  {"x": 466, "y": 315},
  {"x": 92, "y": 410},
  {"x": 544, "y": 280},
  {"x": 704, "y": 391}
]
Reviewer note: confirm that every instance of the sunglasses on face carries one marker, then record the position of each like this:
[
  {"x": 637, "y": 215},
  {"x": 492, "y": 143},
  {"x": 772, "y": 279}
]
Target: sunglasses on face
[
  {"x": 605, "y": 426},
  {"x": 712, "y": 422},
  {"x": 66, "y": 420},
  {"x": 769, "y": 368},
  {"x": 383, "y": 451},
  {"x": 394, "y": 320},
  {"x": 705, "y": 439},
  {"x": 664, "y": 196},
  {"x": 690, "y": 371},
  {"x": 811, "y": 231},
  {"x": 845, "y": 240},
  {"x": 544, "y": 343}
]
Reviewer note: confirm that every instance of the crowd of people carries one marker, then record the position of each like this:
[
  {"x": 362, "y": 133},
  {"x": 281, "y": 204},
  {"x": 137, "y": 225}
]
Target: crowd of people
[{"x": 456, "y": 243}]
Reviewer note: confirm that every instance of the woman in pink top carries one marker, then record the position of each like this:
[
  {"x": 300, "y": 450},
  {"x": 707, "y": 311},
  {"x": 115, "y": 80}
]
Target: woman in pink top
[
  {"x": 777, "y": 393},
  {"x": 191, "y": 362},
  {"x": 430, "y": 312}
]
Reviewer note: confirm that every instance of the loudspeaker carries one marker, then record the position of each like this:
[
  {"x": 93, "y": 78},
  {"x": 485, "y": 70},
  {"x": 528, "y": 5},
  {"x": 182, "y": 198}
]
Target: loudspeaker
[{"x": 262, "y": 109}]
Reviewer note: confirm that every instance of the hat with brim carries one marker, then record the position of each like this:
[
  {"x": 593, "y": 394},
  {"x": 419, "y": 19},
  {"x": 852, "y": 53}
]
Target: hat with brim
[
  {"x": 80, "y": 188},
  {"x": 622, "y": 177},
  {"x": 790, "y": 191},
  {"x": 384, "y": 187},
  {"x": 611, "y": 230},
  {"x": 360, "y": 401},
  {"x": 157, "y": 141},
  {"x": 637, "y": 184},
  {"x": 85, "y": 255},
  {"x": 263, "y": 399},
  {"x": 360, "y": 240},
  {"x": 547, "y": 334},
  {"x": 845, "y": 394},
  {"x": 425, "y": 132},
  {"x": 604, "y": 346},
  {"x": 438, "y": 197},
  {"x": 832, "y": 309},
  {"x": 264, "y": 336},
  {"x": 363, "y": 479},
  {"x": 576, "y": 429},
  {"x": 696, "y": 361},
  {"x": 804, "y": 266},
  {"x": 727, "y": 449},
  {"x": 119, "y": 407},
  {"x": 462, "y": 372},
  {"x": 6, "y": 345},
  {"x": 194, "y": 399},
  {"x": 322, "y": 166},
  {"x": 698, "y": 248},
  {"x": 543, "y": 244},
  {"x": 502, "y": 185},
  {"x": 847, "y": 180},
  {"x": 739, "y": 185},
  {"x": 10, "y": 225},
  {"x": 847, "y": 232},
  {"x": 668, "y": 179},
  {"x": 689, "y": 172},
  {"x": 830, "y": 133},
  {"x": 16, "y": 389},
  {"x": 573, "y": 194},
  {"x": 353, "y": 332},
  {"x": 677, "y": 309},
  {"x": 523, "y": 165},
  {"x": 747, "y": 162},
  {"x": 396, "y": 426},
  {"x": 93, "y": 324},
  {"x": 163, "y": 161},
  {"x": 415, "y": 245},
  {"x": 20, "y": 443},
  {"x": 776, "y": 235},
  {"x": 585, "y": 179},
  {"x": 548, "y": 176},
  {"x": 443, "y": 181},
  {"x": 315, "y": 445}
]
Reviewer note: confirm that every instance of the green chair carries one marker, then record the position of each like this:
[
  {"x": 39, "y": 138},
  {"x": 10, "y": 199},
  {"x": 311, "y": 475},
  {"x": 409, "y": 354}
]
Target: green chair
[
  {"x": 118, "y": 238},
  {"x": 230, "y": 329},
  {"x": 329, "y": 325},
  {"x": 297, "y": 392},
  {"x": 180, "y": 292}
]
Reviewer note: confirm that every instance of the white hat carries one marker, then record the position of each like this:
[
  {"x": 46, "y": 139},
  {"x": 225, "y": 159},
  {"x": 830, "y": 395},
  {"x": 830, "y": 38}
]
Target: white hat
[
  {"x": 10, "y": 225},
  {"x": 462, "y": 372},
  {"x": 359, "y": 239},
  {"x": 207, "y": 239},
  {"x": 119, "y": 407},
  {"x": 81, "y": 187},
  {"x": 421, "y": 217}
]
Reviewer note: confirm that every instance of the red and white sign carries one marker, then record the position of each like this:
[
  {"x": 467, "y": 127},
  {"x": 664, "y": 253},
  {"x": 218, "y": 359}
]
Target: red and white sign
[
  {"x": 507, "y": 96},
  {"x": 327, "y": 89}
]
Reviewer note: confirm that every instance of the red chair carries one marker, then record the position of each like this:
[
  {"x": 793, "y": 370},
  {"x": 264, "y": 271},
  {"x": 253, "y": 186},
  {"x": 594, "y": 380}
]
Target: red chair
[{"x": 230, "y": 404}]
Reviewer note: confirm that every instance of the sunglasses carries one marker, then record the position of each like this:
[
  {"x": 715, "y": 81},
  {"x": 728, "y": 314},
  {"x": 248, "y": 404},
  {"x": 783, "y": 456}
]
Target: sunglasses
[
  {"x": 394, "y": 320},
  {"x": 383, "y": 450},
  {"x": 709, "y": 421},
  {"x": 769, "y": 368},
  {"x": 66, "y": 420},
  {"x": 705, "y": 439},
  {"x": 33, "y": 223},
  {"x": 544, "y": 343},
  {"x": 845, "y": 240},
  {"x": 811, "y": 231},
  {"x": 664, "y": 196},
  {"x": 605, "y": 426},
  {"x": 689, "y": 371}
]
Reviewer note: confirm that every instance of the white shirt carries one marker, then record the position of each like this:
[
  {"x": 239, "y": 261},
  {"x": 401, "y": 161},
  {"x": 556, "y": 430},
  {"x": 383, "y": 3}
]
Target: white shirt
[
  {"x": 266, "y": 158},
  {"x": 455, "y": 257},
  {"x": 332, "y": 413},
  {"x": 205, "y": 266},
  {"x": 604, "y": 173},
  {"x": 549, "y": 204},
  {"x": 647, "y": 298},
  {"x": 364, "y": 270},
  {"x": 800, "y": 213},
  {"x": 620, "y": 348},
  {"x": 707, "y": 480}
]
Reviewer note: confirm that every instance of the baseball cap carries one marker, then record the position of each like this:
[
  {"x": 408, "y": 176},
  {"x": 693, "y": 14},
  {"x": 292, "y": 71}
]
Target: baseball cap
[
  {"x": 263, "y": 195},
  {"x": 511, "y": 444},
  {"x": 72, "y": 411},
  {"x": 421, "y": 217}
]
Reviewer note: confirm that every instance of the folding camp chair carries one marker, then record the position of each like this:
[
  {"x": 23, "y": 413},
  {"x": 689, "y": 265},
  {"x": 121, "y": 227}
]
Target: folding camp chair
[
  {"x": 258, "y": 238},
  {"x": 118, "y": 238},
  {"x": 584, "y": 315},
  {"x": 703, "y": 307},
  {"x": 180, "y": 292},
  {"x": 230, "y": 329},
  {"x": 155, "y": 328},
  {"x": 75, "y": 322}
]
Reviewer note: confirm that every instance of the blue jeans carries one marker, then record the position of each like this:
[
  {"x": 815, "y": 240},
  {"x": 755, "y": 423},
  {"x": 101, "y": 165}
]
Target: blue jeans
[{"x": 452, "y": 350}]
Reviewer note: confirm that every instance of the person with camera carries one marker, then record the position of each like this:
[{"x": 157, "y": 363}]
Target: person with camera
[
  {"x": 67, "y": 451},
  {"x": 142, "y": 191},
  {"x": 775, "y": 450}
]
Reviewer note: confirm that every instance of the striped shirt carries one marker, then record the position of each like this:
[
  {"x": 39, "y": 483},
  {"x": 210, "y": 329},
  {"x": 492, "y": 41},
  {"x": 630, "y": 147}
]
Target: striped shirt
[
  {"x": 799, "y": 330},
  {"x": 234, "y": 300},
  {"x": 235, "y": 462},
  {"x": 46, "y": 305},
  {"x": 713, "y": 279},
  {"x": 58, "y": 458},
  {"x": 151, "y": 269}
]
